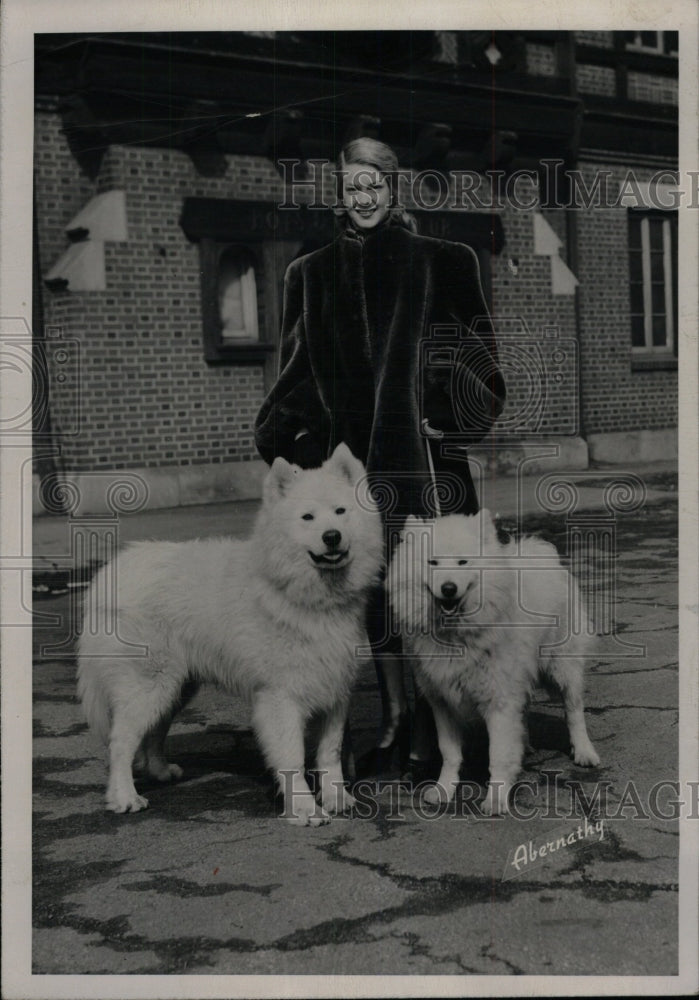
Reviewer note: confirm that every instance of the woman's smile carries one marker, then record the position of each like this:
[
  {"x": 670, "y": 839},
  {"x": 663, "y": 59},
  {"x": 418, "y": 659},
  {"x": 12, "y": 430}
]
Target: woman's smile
[{"x": 366, "y": 195}]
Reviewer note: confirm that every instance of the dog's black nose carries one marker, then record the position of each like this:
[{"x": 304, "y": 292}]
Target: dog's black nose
[
  {"x": 332, "y": 538},
  {"x": 449, "y": 590}
]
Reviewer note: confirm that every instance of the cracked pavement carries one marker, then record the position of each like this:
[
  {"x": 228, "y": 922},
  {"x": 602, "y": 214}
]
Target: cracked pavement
[{"x": 210, "y": 880}]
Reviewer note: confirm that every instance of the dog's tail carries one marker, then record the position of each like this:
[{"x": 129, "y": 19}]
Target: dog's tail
[{"x": 93, "y": 696}]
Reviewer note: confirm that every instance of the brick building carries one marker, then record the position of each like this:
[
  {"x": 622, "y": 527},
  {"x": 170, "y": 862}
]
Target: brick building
[{"x": 163, "y": 165}]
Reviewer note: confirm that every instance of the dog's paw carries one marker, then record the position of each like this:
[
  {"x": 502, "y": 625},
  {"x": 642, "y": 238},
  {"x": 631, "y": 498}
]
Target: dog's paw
[
  {"x": 162, "y": 771},
  {"x": 126, "y": 803},
  {"x": 337, "y": 801},
  {"x": 437, "y": 795},
  {"x": 495, "y": 801},
  {"x": 586, "y": 755},
  {"x": 307, "y": 812}
]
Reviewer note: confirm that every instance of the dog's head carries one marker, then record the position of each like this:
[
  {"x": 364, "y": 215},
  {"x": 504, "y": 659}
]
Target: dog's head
[
  {"x": 446, "y": 557},
  {"x": 324, "y": 517}
]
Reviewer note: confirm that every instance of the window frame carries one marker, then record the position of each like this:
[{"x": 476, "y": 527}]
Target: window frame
[
  {"x": 658, "y": 49},
  {"x": 650, "y": 355}
]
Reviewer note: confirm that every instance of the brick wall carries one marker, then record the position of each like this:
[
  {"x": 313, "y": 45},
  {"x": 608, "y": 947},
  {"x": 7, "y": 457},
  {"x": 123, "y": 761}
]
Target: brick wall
[
  {"x": 147, "y": 397},
  {"x": 614, "y": 397},
  {"x": 653, "y": 88},
  {"x": 542, "y": 395},
  {"x": 601, "y": 80},
  {"x": 60, "y": 190},
  {"x": 595, "y": 79},
  {"x": 541, "y": 59},
  {"x": 602, "y": 39}
]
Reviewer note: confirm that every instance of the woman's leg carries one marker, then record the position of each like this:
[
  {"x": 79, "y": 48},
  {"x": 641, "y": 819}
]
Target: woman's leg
[
  {"x": 423, "y": 742},
  {"x": 397, "y": 728},
  {"x": 388, "y": 659}
]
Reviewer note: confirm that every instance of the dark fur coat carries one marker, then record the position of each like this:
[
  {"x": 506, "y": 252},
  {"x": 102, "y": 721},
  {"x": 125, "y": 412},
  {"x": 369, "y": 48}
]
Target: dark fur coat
[{"x": 382, "y": 330}]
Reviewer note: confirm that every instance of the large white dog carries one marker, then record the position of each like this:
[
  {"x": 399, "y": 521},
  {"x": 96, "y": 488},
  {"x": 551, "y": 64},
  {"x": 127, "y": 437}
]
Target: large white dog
[{"x": 277, "y": 618}]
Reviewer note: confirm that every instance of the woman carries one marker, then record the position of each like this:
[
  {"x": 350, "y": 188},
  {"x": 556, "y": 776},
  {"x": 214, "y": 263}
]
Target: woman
[{"x": 360, "y": 318}]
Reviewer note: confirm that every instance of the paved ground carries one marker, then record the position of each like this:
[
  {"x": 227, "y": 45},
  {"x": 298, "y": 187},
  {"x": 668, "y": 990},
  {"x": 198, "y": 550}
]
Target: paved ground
[{"x": 210, "y": 880}]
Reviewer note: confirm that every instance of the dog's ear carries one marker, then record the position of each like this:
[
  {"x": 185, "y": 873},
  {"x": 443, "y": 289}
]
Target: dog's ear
[
  {"x": 279, "y": 478},
  {"x": 343, "y": 461}
]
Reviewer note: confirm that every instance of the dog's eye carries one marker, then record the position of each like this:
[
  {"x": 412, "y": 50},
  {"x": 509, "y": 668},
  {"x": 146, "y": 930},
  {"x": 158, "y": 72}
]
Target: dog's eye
[
  {"x": 340, "y": 510},
  {"x": 307, "y": 517},
  {"x": 463, "y": 562}
]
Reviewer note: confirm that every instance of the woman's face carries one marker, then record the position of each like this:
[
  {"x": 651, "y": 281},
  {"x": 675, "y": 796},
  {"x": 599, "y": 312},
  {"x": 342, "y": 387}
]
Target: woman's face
[{"x": 366, "y": 195}]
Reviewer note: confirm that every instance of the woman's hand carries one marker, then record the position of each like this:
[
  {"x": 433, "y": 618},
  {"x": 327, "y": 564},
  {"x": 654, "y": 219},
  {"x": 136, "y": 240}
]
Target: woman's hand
[
  {"x": 307, "y": 451},
  {"x": 431, "y": 432}
]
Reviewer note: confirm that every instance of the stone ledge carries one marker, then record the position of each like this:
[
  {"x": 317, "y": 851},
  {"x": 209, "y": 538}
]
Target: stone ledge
[
  {"x": 181, "y": 486},
  {"x": 153, "y": 488},
  {"x": 633, "y": 446}
]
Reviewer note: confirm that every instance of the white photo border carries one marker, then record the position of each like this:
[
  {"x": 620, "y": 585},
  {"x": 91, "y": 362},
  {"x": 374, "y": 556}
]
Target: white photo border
[{"x": 20, "y": 20}]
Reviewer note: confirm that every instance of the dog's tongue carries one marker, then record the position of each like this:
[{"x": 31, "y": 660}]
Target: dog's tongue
[
  {"x": 448, "y": 607},
  {"x": 327, "y": 558}
]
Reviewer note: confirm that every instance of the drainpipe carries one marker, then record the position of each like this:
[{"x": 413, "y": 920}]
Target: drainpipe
[
  {"x": 573, "y": 261},
  {"x": 571, "y": 215}
]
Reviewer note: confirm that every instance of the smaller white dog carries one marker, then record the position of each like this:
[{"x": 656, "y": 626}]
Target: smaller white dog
[{"x": 485, "y": 621}]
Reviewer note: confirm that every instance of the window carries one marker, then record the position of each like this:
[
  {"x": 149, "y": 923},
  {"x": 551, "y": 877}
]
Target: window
[
  {"x": 229, "y": 279},
  {"x": 660, "y": 42},
  {"x": 653, "y": 283},
  {"x": 237, "y": 296},
  {"x": 244, "y": 250}
]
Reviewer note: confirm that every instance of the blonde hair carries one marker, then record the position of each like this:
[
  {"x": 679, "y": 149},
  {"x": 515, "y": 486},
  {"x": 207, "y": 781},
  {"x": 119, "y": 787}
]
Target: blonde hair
[{"x": 377, "y": 155}]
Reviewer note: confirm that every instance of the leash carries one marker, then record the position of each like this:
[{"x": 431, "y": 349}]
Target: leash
[{"x": 430, "y": 464}]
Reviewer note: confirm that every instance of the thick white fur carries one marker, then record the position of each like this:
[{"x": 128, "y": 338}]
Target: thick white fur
[
  {"x": 508, "y": 602},
  {"x": 258, "y": 616}
]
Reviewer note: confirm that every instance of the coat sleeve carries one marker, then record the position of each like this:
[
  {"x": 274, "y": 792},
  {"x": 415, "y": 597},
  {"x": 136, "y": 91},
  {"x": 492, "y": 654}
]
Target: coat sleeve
[
  {"x": 464, "y": 391},
  {"x": 293, "y": 422}
]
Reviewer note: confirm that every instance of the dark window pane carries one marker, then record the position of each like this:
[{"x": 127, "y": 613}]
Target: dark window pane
[
  {"x": 658, "y": 298},
  {"x": 656, "y": 233},
  {"x": 649, "y": 39},
  {"x": 636, "y": 298},
  {"x": 635, "y": 266},
  {"x": 638, "y": 336},
  {"x": 671, "y": 41},
  {"x": 657, "y": 266},
  {"x": 634, "y": 232},
  {"x": 659, "y": 334}
]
